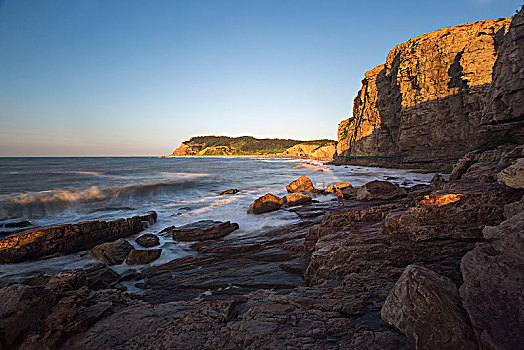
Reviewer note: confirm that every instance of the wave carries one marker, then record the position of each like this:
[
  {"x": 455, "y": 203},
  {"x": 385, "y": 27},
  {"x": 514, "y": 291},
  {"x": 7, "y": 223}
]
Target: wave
[{"x": 43, "y": 203}]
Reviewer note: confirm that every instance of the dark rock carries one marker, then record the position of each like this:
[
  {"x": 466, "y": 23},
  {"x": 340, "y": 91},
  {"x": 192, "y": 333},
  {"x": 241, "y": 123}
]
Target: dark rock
[
  {"x": 379, "y": 190},
  {"x": 295, "y": 199},
  {"x": 264, "y": 204},
  {"x": 513, "y": 176},
  {"x": 303, "y": 183},
  {"x": 492, "y": 292},
  {"x": 131, "y": 275},
  {"x": 141, "y": 257},
  {"x": 24, "y": 223},
  {"x": 148, "y": 240},
  {"x": 101, "y": 277},
  {"x": 112, "y": 253},
  {"x": 66, "y": 281},
  {"x": 201, "y": 230},
  {"x": 437, "y": 181},
  {"x": 425, "y": 306},
  {"x": 31, "y": 244},
  {"x": 230, "y": 191}
]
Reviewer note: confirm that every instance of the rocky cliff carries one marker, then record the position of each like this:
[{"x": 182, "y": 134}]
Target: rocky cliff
[
  {"x": 250, "y": 146},
  {"x": 426, "y": 106}
]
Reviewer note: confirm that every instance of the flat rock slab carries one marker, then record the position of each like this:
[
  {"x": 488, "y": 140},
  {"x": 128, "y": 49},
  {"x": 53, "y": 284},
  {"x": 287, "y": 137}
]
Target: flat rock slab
[{"x": 201, "y": 230}]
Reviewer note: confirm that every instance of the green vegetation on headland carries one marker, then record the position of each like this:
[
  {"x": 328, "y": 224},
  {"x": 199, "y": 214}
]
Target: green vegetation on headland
[{"x": 244, "y": 145}]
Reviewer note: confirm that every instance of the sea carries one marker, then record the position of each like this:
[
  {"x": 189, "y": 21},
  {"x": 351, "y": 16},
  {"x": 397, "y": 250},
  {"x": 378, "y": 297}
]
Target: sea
[{"x": 52, "y": 191}]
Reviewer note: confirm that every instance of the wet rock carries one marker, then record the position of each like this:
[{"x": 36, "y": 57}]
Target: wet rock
[
  {"x": 230, "y": 191},
  {"x": 112, "y": 253},
  {"x": 492, "y": 292},
  {"x": 201, "y": 230},
  {"x": 17, "y": 224},
  {"x": 101, "y": 277},
  {"x": 303, "y": 183},
  {"x": 266, "y": 203},
  {"x": 340, "y": 185},
  {"x": 148, "y": 240},
  {"x": 296, "y": 199},
  {"x": 31, "y": 244},
  {"x": 513, "y": 176},
  {"x": 379, "y": 190},
  {"x": 141, "y": 257},
  {"x": 21, "y": 306},
  {"x": 131, "y": 275},
  {"x": 425, "y": 306}
]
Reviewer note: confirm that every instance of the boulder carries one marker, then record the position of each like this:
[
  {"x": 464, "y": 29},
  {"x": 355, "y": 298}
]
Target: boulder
[
  {"x": 112, "y": 253},
  {"x": 66, "y": 281},
  {"x": 492, "y": 291},
  {"x": 148, "y": 240},
  {"x": 514, "y": 224},
  {"x": 230, "y": 191},
  {"x": 379, "y": 190},
  {"x": 21, "y": 306},
  {"x": 514, "y": 208},
  {"x": 16, "y": 224},
  {"x": 350, "y": 193},
  {"x": 266, "y": 203},
  {"x": 141, "y": 257},
  {"x": 101, "y": 277},
  {"x": 303, "y": 183},
  {"x": 340, "y": 185},
  {"x": 513, "y": 176},
  {"x": 294, "y": 199},
  {"x": 425, "y": 306},
  {"x": 201, "y": 230},
  {"x": 437, "y": 181}
]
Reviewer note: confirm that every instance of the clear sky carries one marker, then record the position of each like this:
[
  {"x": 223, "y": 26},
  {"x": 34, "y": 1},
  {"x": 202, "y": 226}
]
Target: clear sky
[{"x": 108, "y": 77}]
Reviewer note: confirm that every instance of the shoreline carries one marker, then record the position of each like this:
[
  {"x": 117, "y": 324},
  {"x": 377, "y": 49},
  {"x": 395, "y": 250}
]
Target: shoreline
[{"x": 244, "y": 156}]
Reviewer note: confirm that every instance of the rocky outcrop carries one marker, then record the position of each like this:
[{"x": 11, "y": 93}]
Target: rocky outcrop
[
  {"x": 264, "y": 204},
  {"x": 303, "y": 183},
  {"x": 41, "y": 241},
  {"x": 142, "y": 256},
  {"x": 148, "y": 240},
  {"x": 203, "y": 146},
  {"x": 340, "y": 185},
  {"x": 513, "y": 176},
  {"x": 379, "y": 190},
  {"x": 423, "y": 107},
  {"x": 492, "y": 291},
  {"x": 112, "y": 253},
  {"x": 425, "y": 306},
  {"x": 294, "y": 199},
  {"x": 201, "y": 230},
  {"x": 230, "y": 191}
]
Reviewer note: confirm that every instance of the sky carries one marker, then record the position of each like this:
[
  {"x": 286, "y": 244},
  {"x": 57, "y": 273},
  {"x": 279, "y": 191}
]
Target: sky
[{"x": 108, "y": 77}]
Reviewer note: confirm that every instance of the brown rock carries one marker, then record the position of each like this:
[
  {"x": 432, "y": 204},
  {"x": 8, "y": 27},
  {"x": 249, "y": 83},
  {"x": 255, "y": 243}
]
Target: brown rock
[
  {"x": 425, "y": 306},
  {"x": 148, "y": 240},
  {"x": 266, "y": 203},
  {"x": 296, "y": 199},
  {"x": 379, "y": 190},
  {"x": 141, "y": 257},
  {"x": 65, "y": 281},
  {"x": 112, "y": 253},
  {"x": 340, "y": 185},
  {"x": 101, "y": 277},
  {"x": 201, "y": 230},
  {"x": 303, "y": 183},
  {"x": 492, "y": 292},
  {"x": 513, "y": 176},
  {"x": 38, "y": 242},
  {"x": 231, "y": 191}
]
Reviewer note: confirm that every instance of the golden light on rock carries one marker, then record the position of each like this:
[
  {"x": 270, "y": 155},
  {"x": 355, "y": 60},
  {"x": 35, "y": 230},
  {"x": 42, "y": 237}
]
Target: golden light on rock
[{"x": 441, "y": 199}]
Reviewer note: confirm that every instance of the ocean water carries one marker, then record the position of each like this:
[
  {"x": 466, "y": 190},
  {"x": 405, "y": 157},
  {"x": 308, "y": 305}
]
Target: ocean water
[{"x": 50, "y": 191}]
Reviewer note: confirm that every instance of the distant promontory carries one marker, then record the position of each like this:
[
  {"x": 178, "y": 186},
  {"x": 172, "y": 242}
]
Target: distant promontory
[{"x": 213, "y": 146}]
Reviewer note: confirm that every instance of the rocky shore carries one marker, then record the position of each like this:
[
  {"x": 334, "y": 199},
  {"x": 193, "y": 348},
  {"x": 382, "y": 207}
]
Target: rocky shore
[{"x": 436, "y": 266}]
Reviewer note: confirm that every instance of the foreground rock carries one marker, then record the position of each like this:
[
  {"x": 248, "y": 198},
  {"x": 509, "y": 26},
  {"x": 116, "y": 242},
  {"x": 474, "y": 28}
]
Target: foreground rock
[
  {"x": 294, "y": 199},
  {"x": 142, "y": 257},
  {"x": 266, "y": 203},
  {"x": 303, "y": 183},
  {"x": 148, "y": 240},
  {"x": 513, "y": 176},
  {"x": 379, "y": 190},
  {"x": 201, "y": 230},
  {"x": 492, "y": 292},
  {"x": 425, "y": 306},
  {"x": 38, "y": 242},
  {"x": 112, "y": 253}
]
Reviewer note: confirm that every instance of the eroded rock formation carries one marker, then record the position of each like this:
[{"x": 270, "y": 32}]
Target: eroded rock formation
[{"x": 424, "y": 106}]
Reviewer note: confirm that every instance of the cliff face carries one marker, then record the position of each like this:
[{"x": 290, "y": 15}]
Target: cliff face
[
  {"x": 424, "y": 106},
  {"x": 250, "y": 146}
]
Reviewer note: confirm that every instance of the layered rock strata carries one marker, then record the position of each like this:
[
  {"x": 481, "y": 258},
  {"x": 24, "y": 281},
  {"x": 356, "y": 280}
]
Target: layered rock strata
[
  {"x": 38, "y": 242},
  {"x": 424, "y": 106}
]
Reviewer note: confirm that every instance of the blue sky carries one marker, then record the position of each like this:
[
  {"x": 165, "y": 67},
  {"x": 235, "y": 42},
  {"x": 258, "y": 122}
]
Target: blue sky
[{"x": 107, "y": 77}]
